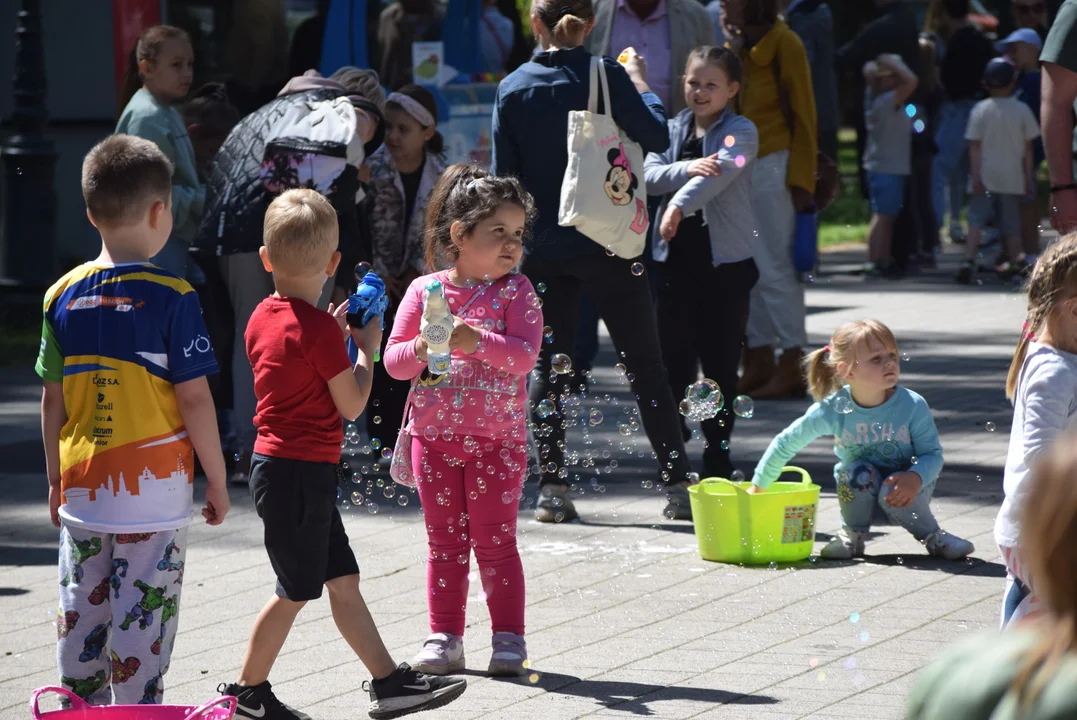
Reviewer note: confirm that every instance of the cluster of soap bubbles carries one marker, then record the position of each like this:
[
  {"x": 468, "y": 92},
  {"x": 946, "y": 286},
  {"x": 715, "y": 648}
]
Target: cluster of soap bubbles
[{"x": 702, "y": 400}]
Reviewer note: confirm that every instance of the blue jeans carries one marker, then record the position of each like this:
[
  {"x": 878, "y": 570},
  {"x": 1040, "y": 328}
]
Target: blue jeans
[
  {"x": 951, "y": 165},
  {"x": 861, "y": 494}
]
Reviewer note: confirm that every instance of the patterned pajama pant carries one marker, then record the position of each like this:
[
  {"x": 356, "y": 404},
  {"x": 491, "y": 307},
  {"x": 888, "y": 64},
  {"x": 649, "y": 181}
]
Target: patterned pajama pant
[{"x": 119, "y": 607}]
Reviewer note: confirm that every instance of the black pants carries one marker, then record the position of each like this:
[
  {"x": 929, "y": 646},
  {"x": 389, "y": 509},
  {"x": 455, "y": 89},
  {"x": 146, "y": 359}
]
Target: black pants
[
  {"x": 927, "y": 229},
  {"x": 387, "y": 396},
  {"x": 624, "y": 303},
  {"x": 702, "y": 316}
]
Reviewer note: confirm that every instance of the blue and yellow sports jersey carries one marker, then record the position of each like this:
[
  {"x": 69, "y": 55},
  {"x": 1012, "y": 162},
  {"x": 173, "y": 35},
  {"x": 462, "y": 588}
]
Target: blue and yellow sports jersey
[{"x": 119, "y": 337}]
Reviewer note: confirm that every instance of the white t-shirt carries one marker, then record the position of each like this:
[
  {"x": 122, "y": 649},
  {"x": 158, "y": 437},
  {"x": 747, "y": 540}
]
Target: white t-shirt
[
  {"x": 1045, "y": 406},
  {"x": 1002, "y": 125}
]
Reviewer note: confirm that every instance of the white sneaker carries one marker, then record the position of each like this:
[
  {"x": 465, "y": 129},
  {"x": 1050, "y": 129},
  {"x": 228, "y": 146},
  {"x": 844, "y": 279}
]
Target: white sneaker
[
  {"x": 950, "y": 547},
  {"x": 846, "y": 545},
  {"x": 442, "y": 654}
]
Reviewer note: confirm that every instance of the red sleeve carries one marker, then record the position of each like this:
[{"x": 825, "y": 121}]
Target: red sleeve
[
  {"x": 400, "y": 359},
  {"x": 324, "y": 345},
  {"x": 515, "y": 352}
]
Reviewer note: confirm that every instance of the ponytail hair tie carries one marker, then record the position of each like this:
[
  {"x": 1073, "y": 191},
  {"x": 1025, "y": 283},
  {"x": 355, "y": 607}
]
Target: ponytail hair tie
[
  {"x": 826, "y": 349},
  {"x": 1025, "y": 330},
  {"x": 565, "y": 10}
]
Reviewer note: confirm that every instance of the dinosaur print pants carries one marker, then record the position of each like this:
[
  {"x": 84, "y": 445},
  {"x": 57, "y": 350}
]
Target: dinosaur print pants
[{"x": 119, "y": 607}]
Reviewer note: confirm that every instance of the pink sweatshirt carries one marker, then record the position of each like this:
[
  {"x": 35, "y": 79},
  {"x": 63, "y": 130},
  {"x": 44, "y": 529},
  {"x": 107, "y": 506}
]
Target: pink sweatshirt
[{"x": 484, "y": 394}]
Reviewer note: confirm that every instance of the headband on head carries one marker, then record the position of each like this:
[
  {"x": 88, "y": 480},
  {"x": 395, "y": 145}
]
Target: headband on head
[{"x": 412, "y": 107}]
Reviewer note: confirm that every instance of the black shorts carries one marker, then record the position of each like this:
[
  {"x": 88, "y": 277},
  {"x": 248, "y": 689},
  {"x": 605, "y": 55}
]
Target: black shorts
[{"x": 304, "y": 535}]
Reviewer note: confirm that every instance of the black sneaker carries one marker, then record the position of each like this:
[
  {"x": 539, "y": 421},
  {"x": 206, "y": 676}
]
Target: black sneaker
[
  {"x": 964, "y": 275},
  {"x": 259, "y": 702},
  {"x": 407, "y": 691}
]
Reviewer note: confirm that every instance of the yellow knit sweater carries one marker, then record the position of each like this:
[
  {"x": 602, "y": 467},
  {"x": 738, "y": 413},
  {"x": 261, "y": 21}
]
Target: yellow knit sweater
[{"x": 759, "y": 102}]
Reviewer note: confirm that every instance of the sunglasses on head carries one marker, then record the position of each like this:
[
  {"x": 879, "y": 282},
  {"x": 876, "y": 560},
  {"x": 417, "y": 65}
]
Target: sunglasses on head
[{"x": 1030, "y": 9}]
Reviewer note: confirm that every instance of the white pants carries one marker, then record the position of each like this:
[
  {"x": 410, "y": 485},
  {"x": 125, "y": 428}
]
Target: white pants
[
  {"x": 119, "y": 608},
  {"x": 776, "y": 315}
]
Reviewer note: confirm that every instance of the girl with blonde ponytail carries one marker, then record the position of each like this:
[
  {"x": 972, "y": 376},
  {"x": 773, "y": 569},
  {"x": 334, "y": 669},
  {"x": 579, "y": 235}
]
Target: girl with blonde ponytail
[
  {"x": 1042, "y": 384},
  {"x": 888, "y": 450}
]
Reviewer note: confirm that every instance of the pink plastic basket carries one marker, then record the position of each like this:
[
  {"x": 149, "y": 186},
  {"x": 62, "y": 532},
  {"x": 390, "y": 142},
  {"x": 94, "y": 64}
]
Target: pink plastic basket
[{"x": 222, "y": 708}]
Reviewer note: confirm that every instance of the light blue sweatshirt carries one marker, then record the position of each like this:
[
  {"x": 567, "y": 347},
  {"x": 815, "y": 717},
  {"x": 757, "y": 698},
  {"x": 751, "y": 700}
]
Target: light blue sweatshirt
[
  {"x": 161, "y": 124},
  {"x": 896, "y": 436}
]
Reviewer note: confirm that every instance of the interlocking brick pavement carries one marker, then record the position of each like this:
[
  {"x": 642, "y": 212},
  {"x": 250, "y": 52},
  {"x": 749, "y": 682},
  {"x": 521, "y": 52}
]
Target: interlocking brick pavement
[{"x": 624, "y": 618}]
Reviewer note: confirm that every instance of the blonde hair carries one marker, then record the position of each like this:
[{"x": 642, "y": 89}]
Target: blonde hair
[
  {"x": 300, "y": 232},
  {"x": 821, "y": 366},
  {"x": 1049, "y": 549},
  {"x": 1053, "y": 281}
]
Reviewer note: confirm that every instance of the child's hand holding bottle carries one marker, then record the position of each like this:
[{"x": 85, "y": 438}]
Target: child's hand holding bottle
[{"x": 464, "y": 337}]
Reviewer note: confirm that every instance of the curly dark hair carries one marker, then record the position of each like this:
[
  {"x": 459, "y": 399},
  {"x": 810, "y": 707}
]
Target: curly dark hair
[{"x": 467, "y": 194}]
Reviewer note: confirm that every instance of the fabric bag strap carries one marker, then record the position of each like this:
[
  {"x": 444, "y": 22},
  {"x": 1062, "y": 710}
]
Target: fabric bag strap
[{"x": 598, "y": 77}]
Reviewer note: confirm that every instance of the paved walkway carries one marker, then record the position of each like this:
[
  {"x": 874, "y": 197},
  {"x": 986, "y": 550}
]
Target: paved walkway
[{"x": 624, "y": 618}]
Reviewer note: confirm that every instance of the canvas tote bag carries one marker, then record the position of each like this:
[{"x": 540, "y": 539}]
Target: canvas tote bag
[{"x": 603, "y": 194}]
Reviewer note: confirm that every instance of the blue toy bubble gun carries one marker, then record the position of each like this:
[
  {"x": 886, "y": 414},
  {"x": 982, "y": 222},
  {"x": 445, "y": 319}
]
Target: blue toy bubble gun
[{"x": 368, "y": 302}]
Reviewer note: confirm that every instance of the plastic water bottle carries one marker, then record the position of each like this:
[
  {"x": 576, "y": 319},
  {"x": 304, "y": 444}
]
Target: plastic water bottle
[{"x": 436, "y": 328}]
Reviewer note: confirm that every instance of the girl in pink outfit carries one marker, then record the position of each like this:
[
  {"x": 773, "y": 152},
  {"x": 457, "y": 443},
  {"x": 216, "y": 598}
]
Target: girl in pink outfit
[{"x": 468, "y": 427}]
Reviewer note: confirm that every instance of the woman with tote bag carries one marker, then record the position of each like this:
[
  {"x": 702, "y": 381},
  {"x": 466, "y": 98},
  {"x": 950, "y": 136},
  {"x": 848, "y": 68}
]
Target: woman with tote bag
[{"x": 531, "y": 127}]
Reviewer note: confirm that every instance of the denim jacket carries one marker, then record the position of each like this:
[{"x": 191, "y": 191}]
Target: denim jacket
[
  {"x": 725, "y": 200},
  {"x": 530, "y": 124}
]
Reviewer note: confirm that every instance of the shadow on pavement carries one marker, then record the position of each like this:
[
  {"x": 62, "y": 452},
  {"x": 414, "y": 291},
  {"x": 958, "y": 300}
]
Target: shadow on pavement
[
  {"x": 12, "y": 556},
  {"x": 632, "y": 697}
]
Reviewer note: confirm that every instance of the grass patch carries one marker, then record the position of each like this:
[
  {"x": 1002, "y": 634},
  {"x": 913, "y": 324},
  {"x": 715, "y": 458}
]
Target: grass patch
[{"x": 845, "y": 222}]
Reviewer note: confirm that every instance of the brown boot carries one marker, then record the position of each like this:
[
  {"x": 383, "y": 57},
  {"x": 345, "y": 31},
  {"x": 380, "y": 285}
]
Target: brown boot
[
  {"x": 788, "y": 380},
  {"x": 758, "y": 366}
]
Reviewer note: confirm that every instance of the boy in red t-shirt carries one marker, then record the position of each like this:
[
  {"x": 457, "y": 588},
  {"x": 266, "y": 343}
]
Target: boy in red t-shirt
[{"x": 304, "y": 382}]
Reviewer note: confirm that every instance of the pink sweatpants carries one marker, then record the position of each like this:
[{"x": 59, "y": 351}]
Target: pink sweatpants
[{"x": 470, "y": 489}]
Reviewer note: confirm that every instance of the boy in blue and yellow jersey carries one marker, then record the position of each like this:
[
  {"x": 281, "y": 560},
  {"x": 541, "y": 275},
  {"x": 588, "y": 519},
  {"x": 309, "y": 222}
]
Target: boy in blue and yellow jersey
[{"x": 124, "y": 355}]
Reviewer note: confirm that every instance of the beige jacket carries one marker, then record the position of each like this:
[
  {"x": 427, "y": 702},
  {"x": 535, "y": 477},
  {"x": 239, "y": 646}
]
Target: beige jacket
[{"x": 689, "y": 27}]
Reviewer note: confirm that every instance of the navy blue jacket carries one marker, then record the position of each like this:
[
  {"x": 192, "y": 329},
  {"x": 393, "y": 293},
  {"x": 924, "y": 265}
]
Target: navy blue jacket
[{"x": 530, "y": 134}]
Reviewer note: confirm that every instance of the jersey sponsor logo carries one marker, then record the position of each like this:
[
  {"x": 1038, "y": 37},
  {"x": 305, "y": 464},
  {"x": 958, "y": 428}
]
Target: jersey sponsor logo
[
  {"x": 88, "y": 302},
  {"x": 200, "y": 345}
]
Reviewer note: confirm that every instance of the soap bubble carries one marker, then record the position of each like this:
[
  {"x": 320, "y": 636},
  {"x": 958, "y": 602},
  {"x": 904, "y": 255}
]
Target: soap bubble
[
  {"x": 740, "y": 161},
  {"x": 595, "y": 417},
  {"x": 531, "y": 316},
  {"x": 725, "y": 444},
  {"x": 854, "y": 618},
  {"x": 375, "y": 443},
  {"x": 372, "y": 508},
  {"x": 545, "y": 408},
  {"x": 541, "y": 287},
  {"x": 357, "y": 498},
  {"x": 737, "y": 476},
  {"x": 843, "y": 405},
  {"x": 729, "y": 141},
  {"x": 402, "y": 500},
  {"x": 702, "y": 400},
  {"x": 743, "y": 406},
  {"x": 561, "y": 364},
  {"x": 389, "y": 492},
  {"x": 387, "y": 453},
  {"x": 989, "y": 426},
  {"x": 637, "y": 269},
  {"x": 430, "y": 433},
  {"x": 507, "y": 498}
]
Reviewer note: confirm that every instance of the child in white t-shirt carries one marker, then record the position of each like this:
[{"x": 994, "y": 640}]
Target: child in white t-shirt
[
  {"x": 1043, "y": 387},
  {"x": 1001, "y": 176}
]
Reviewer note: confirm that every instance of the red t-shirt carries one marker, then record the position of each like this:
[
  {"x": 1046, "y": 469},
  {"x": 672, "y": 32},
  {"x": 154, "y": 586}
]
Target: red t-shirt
[{"x": 295, "y": 349}]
